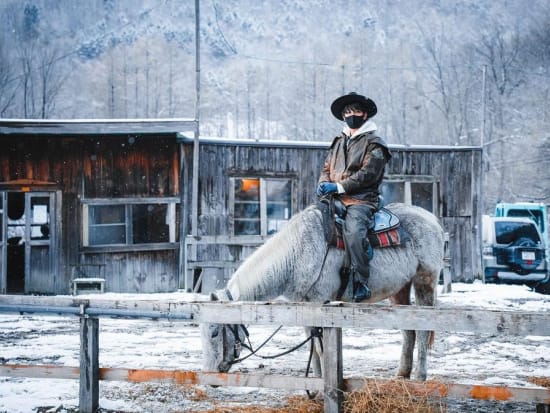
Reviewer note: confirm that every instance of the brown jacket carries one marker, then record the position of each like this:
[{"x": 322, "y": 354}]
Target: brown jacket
[{"x": 359, "y": 167}]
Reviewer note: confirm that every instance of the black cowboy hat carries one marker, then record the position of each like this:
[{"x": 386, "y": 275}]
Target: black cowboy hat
[{"x": 339, "y": 104}]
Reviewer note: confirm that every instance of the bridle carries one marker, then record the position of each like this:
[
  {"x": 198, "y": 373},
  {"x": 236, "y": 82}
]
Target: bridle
[
  {"x": 234, "y": 329},
  {"x": 239, "y": 344}
]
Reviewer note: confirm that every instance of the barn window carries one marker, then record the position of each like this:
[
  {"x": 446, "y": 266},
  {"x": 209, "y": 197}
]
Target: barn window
[
  {"x": 260, "y": 206},
  {"x": 120, "y": 222},
  {"x": 417, "y": 190}
]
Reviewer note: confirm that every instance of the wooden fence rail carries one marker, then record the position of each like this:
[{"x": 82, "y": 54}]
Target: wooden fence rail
[{"x": 332, "y": 317}]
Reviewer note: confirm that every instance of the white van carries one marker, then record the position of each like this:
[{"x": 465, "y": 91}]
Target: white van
[{"x": 513, "y": 251}]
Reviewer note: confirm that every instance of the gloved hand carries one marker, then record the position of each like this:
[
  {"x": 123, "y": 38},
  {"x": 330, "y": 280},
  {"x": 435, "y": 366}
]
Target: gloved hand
[{"x": 326, "y": 188}]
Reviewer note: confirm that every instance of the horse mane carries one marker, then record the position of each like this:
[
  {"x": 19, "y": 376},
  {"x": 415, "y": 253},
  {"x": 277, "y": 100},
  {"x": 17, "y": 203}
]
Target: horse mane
[{"x": 259, "y": 278}]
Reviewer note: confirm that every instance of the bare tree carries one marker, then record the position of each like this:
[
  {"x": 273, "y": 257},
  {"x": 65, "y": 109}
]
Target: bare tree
[
  {"x": 8, "y": 81},
  {"x": 51, "y": 77},
  {"x": 498, "y": 49},
  {"x": 451, "y": 79}
]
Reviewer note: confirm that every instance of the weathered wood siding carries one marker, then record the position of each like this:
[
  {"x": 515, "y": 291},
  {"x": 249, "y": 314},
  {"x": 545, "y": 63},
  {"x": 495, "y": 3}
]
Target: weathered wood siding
[
  {"x": 139, "y": 272},
  {"x": 116, "y": 166},
  {"x": 456, "y": 170},
  {"x": 109, "y": 164},
  {"x": 129, "y": 167}
]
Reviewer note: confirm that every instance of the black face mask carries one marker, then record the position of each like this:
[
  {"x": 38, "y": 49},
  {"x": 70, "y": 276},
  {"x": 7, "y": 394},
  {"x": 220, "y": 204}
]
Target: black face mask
[{"x": 354, "y": 121}]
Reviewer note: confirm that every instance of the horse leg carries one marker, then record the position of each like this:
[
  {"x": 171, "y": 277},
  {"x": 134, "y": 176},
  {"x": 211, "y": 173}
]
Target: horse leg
[
  {"x": 403, "y": 297},
  {"x": 316, "y": 358},
  {"x": 425, "y": 295}
]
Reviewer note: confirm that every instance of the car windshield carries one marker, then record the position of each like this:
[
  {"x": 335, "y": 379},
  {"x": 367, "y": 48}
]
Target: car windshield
[{"x": 508, "y": 232}]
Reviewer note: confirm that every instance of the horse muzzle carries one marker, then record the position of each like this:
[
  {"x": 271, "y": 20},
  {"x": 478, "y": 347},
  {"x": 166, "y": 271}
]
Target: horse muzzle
[{"x": 224, "y": 366}]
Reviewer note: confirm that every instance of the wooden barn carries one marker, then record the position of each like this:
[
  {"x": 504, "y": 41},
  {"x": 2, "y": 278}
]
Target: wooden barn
[
  {"x": 125, "y": 205},
  {"x": 249, "y": 189}
]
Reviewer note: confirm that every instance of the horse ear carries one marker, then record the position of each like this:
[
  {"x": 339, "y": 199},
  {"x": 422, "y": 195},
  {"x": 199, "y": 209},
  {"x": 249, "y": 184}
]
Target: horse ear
[{"x": 214, "y": 297}]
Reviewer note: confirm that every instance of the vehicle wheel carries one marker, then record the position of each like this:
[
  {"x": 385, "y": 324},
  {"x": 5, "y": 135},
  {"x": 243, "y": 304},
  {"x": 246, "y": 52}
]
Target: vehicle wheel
[
  {"x": 524, "y": 242},
  {"x": 515, "y": 262}
]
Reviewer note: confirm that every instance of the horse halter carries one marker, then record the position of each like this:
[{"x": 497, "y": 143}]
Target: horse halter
[{"x": 234, "y": 329}]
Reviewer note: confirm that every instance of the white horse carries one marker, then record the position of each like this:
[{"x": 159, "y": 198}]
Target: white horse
[{"x": 296, "y": 264}]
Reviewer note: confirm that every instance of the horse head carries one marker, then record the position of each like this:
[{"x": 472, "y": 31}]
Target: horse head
[{"x": 221, "y": 343}]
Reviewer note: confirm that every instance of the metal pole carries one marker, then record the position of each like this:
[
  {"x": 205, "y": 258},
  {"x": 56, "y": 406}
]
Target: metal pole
[
  {"x": 184, "y": 219},
  {"x": 483, "y": 83},
  {"x": 195, "y": 185},
  {"x": 93, "y": 311},
  {"x": 482, "y": 166}
]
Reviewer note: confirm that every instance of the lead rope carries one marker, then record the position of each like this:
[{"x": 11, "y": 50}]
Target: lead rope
[
  {"x": 327, "y": 248},
  {"x": 327, "y": 243},
  {"x": 316, "y": 332},
  {"x": 272, "y": 356}
]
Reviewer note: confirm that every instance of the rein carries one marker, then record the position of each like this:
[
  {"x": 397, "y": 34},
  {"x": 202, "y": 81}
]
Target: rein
[{"x": 234, "y": 328}]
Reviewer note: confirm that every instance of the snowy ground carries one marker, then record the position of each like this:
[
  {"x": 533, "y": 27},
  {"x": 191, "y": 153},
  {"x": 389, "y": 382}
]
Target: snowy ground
[{"x": 456, "y": 357}]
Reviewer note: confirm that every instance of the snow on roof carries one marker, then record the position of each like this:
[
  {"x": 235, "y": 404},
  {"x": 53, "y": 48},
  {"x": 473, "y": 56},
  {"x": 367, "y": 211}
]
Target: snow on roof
[
  {"x": 183, "y": 128},
  {"x": 312, "y": 144}
]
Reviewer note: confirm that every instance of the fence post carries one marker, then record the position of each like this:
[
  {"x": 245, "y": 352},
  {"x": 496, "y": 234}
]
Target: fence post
[
  {"x": 89, "y": 365},
  {"x": 333, "y": 369}
]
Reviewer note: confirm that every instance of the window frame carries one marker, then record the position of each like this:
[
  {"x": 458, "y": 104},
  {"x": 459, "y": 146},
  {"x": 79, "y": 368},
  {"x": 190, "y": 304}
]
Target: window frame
[
  {"x": 407, "y": 180},
  {"x": 263, "y": 200},
  {"x": 172, "y": 204}
]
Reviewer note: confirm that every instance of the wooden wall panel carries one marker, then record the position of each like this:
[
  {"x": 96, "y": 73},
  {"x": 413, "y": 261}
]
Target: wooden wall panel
[
  {"x": 456, "y": 170},
  {"x": 104, "y": 167}
]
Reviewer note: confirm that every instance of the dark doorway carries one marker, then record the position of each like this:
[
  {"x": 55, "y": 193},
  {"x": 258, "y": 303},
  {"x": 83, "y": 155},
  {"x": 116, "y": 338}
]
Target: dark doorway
[
  {"x": 27, "y": 234},
  {"x": 15, "y": 267}
]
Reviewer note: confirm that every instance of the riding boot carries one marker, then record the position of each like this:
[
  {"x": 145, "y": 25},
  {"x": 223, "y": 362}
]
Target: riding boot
[{"x": 361, "y": 290}]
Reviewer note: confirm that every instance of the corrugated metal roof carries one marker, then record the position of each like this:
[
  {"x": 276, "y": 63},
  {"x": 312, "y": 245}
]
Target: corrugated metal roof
[{"x": 75, "y": 127}]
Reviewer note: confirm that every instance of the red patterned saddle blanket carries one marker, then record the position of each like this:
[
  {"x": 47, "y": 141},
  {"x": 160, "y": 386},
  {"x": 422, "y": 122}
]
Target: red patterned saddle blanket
[{"x": 385, "y": 232}]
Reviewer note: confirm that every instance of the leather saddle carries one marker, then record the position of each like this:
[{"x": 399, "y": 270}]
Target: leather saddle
[{"x": 386, "y": 230}]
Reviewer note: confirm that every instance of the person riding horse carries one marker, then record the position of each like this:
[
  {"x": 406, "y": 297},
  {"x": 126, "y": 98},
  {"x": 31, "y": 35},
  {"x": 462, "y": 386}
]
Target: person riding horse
[{"x": 353, "y": 171}]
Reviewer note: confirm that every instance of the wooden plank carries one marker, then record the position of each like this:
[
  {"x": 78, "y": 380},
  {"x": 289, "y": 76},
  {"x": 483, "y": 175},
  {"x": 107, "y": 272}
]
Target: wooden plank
[
  {"x": 377, "y": 316},
  {"x": 334, "y": 314},
  {"x": 462, "y": 391},
  {"x": 212, "y": 264},
  {"x": 40, "y": 371},
  {"x": 333, "y": 370},
  {"x": 213, "y": 378},
  {"x": 226, "y": 240},
  {"x": 172, "y": 376},
  {"x": 435, "y": 388},
  {"x": 89, "y": 365}
]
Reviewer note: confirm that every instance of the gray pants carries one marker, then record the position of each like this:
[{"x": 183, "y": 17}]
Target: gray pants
[{"x": 358, "y": 220}]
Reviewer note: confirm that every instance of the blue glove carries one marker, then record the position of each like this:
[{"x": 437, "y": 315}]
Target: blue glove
[{"x": 326, "y": 188}]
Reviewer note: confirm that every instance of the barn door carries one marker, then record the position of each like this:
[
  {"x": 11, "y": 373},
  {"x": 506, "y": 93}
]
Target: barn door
[
  {"x": 27, "y": 237},
  {"x": 40, "y": 227}
]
